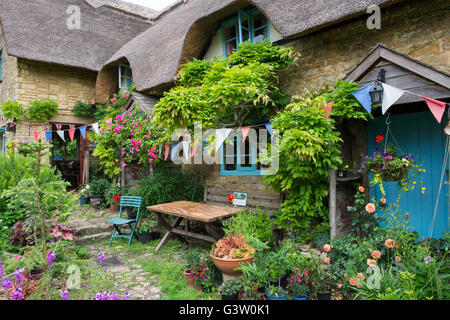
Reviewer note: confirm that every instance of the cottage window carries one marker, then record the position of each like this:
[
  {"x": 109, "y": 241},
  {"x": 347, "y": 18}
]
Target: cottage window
[
  {"x": 125, "y": 78},
  {"x": 2, "y": 140},
  {"x": 248, "y": 25},
  {"x": 240, "y": 159}
]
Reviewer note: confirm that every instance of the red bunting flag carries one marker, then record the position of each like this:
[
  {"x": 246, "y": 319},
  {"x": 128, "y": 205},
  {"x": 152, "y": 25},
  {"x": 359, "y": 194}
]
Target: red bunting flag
[
  {"x": 36, "y": 135},
  {"x": 437, "y": 108},
  {"x": 245, "y": 131},
  {"x": 71, "y": 134},
  {"x": 328, "y": 108},
  {"x": 166, "y": 151}
]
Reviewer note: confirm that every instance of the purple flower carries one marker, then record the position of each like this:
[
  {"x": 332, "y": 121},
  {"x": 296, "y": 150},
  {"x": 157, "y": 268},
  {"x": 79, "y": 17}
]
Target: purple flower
[
  {"x": 428, "y": 259},
  {"x": 17, "y": 294},
  {"x": 65, "y": 294},
  {"x": 19, "y": 276},
  {"x": 51, "y": 256},
  {"x": 101, "y": 256}
]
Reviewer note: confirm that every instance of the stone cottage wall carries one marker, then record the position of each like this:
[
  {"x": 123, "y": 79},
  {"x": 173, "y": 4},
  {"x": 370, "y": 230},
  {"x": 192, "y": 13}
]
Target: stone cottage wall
[
  {"x": 9, "y": 73},
  {"x": 416, "y": 28},
  {"x": 65, "y": 85}
]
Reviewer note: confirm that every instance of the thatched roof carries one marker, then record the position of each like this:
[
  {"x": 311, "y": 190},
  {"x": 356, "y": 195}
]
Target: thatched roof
[
  {"x": 126, "y": 6},
  {"x": 146, "y": 102},
  {"x": 183, "y": 33},
  {"x": 37, "y": 30}
]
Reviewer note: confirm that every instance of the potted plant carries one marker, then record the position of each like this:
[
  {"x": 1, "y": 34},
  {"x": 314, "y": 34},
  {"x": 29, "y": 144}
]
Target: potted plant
[
  {"x": 343, "y": 170},
  {"x": 84, "y": 195},
  {"x": 229, "y": 289},
  {"x": 97, "y": 190},
  {"x": 276, "y": 293},
  {"x": 113, "y": 197},
  {"x": 230, "y": 252},
  {"x": 299, "y": 285},
  {"x": 323, "y": 286},
  {"x": 276, "y": 264},
  {"x": 192, "y": 258},
  {"x": 145, "y": 230}
]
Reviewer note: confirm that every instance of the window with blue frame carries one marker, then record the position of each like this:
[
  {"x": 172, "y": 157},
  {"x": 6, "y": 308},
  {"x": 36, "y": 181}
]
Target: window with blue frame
[
  {"x": 125, "y": 78},
  {"x": 249, "y": 25},
  {"x": 2, "y": 140},
  {"x": 240, "y": 159}
]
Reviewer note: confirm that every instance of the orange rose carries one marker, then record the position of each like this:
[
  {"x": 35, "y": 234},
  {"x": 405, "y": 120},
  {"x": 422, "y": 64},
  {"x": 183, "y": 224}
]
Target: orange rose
[
  {"x": 327, "y": 260},
  {"x": 389, "y": 243},
  {"x": 360, "y": 276},
  {"x": 398, "y": 259},
  {"x": 326, "y": 248},
  {"x": 371, "y": 263},
  {"x": 370, "y": 208},
  {"x": 383, "y": 200},
  {"x": 353, "y": 282},
  {"x": 361, "y": 189}
]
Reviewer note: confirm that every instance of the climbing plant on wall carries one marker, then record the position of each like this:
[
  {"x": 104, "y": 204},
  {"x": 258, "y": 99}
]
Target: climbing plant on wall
[{"x": 310, "y": 145}]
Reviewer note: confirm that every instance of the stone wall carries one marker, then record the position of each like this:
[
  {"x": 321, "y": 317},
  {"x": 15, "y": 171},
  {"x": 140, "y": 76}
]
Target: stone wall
[
  {"x": 416, "y": 28},
  {"x": 65, "y": 85}
]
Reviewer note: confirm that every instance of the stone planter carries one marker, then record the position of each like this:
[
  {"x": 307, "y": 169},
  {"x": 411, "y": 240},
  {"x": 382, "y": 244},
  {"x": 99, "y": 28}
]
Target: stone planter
[
  {"x": 228, "y": 266},
  {"x": 85, "y": 200}
]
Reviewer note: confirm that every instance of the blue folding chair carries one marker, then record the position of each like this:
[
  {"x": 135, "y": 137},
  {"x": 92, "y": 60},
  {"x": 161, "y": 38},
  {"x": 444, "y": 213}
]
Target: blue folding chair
[{"x": 126, "y": 201}]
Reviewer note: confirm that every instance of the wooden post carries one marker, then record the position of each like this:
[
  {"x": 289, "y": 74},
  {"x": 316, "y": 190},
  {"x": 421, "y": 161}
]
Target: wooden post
[{"x": 332, "y": 204}]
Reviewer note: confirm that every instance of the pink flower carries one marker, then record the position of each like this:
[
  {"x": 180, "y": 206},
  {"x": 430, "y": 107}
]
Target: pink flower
[
  {"x": 126, "y": 95},
  {"x": 326, "y": 248},
  {"x": 376, "y": 254},
  {"x": 123, "y": 164},
  {"x": 360, "y": 276},
  {"x": 371, "y": 263},
  {"x": 370, "y": 208},
  {"x": 383, "y": 200},
  {"x": 327, "y": 260},
  {"x": 361, "y": 189},
  {"x": 389, "y": 243}
]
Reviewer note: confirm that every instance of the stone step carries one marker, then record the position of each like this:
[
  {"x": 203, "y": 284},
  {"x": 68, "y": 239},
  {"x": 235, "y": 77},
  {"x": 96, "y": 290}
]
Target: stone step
[
  {"x": 92, "y": 229},
  {"x": 93, "y": 237}
]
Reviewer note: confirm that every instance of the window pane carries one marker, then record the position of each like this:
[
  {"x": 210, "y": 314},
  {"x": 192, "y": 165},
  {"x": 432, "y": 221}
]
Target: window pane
[
  {"x": 245, "y": 160},
  {"x": 230, "y": 156},
  {"x": 259, "y": 21},
  {"x": 260, "y": 35},
  {"x": 245, "y": 30},
  {"x": 230, "y": 32},
  {"x": 230, "y": 47}
]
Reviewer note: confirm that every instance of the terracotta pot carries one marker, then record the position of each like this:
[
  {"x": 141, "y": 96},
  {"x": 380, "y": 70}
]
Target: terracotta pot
[
  {"x": 189, "y": 277},
  {"x": 228, "y": 266},
  {"x": 115, "y": 206}
]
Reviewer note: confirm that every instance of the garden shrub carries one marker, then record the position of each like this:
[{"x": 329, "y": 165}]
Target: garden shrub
[
  {"x": 12, "y": 110},
  {"x": 254, "y": 223},
  {"x": 42, "y": 110},
  {"x": 99, "y": 186}
]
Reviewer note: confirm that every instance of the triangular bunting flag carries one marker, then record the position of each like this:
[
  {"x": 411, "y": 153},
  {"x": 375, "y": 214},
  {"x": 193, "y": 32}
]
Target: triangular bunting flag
[
  {"x": 269, "y": 127},
  {"x": 71, "y": 134},
  {"x": 48, "y": 135},
  {"x": 194, "y": 148},
  {"x": 83, "y": 132},
  {"x": 186, "y": 149},
  {"x": 36, "y": 135},
  {"x": 166, "y": 151},
  {"x": 363, "y": 96},
  {"x": 245, "y": 131},
  {"x": 329, "y": 108},
  {"x": 95, "y": 127},
  {"x": 204, "y": 146},
  {"x": 437, "y": 108},
  {"x": 175, "y": 148},
  {"x": 390, "y": 96},
  {"x": 61, "y": 134},
  {"x": 221, "y": 135}
]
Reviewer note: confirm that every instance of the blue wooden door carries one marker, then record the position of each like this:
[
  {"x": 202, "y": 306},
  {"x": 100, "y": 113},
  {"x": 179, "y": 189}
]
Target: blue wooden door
[{"x": 419, "y": 134}]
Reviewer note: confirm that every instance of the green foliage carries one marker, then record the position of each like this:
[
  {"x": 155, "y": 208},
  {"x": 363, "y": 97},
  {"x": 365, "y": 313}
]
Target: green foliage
[
  {"x": 253, "y": 223},
  {"x": 98, "y": 187},
  {"x": 310, "y": 145},
  {"x": 225, "y": 92},
  {"x": 230, "y": 287},
  {"x": 363, "y": 222},
  {"x": 42, "y": 110},
  {"x": 84, "y": 109},
  {"x": 12, "y": 110}
]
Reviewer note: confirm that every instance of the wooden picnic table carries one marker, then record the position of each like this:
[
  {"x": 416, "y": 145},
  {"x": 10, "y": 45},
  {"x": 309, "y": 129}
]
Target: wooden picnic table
[{"x": 203, "y": 212}]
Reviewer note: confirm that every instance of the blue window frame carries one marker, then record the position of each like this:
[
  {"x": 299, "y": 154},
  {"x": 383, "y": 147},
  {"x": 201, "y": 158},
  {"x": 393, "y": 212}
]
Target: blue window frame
[
  {"x": 125, "y": 78},
  {"x": 244, "y": 162},
  {"x": 249, "y": 25},
  {"x": 2, "y": 140}
]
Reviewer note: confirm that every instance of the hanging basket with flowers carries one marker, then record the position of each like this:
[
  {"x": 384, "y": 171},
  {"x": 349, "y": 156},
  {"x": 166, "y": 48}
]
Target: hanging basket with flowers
[{"x": 387, "y": 164}]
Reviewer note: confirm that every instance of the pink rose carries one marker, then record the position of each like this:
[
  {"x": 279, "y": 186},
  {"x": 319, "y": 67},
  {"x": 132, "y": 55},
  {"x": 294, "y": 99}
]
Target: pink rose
[
  {"x": 370, "y": 208},
  {"x": 326, "y": 248}
]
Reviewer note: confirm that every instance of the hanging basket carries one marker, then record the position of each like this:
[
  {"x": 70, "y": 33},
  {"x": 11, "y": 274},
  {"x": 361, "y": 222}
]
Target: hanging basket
[{"x": 388, "y": 172}]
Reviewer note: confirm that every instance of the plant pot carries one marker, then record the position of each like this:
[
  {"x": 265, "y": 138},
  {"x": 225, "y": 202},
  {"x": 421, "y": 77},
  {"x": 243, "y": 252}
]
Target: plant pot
[
  {"x": 282, "y": 280},
  {"x": 229, "y": 297},
  {"x": 130, "y": 214},
  {"x": 144, "y": 237},
  {"x": 189, "y": 277},
  {"x": 270, "y": 297},
  {"x": 85, "y": 200},
  {"x": 155, "y": 235},
  {"x": 228, "y": 266},
  {"x": 324, "y": 296},
  {"x": 342, "y": 174},
  {"x": 302, "y": 298},
  {"x": 387, "y": 172}
]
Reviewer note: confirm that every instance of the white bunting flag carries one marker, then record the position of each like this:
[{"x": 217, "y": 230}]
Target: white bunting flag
[
  {"x": 221, "y": 135},
  {"x": 390, "y": 96},
  {"x": 61, "y": 134},
  {"x": 95, "y": 127}
]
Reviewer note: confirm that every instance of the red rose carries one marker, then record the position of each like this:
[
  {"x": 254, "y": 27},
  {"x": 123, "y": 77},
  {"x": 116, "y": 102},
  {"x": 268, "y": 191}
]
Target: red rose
[{"x": 230, "y": 197}]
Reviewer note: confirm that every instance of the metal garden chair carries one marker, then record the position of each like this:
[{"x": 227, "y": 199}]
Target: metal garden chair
[{"x": 126, "y": 201}]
